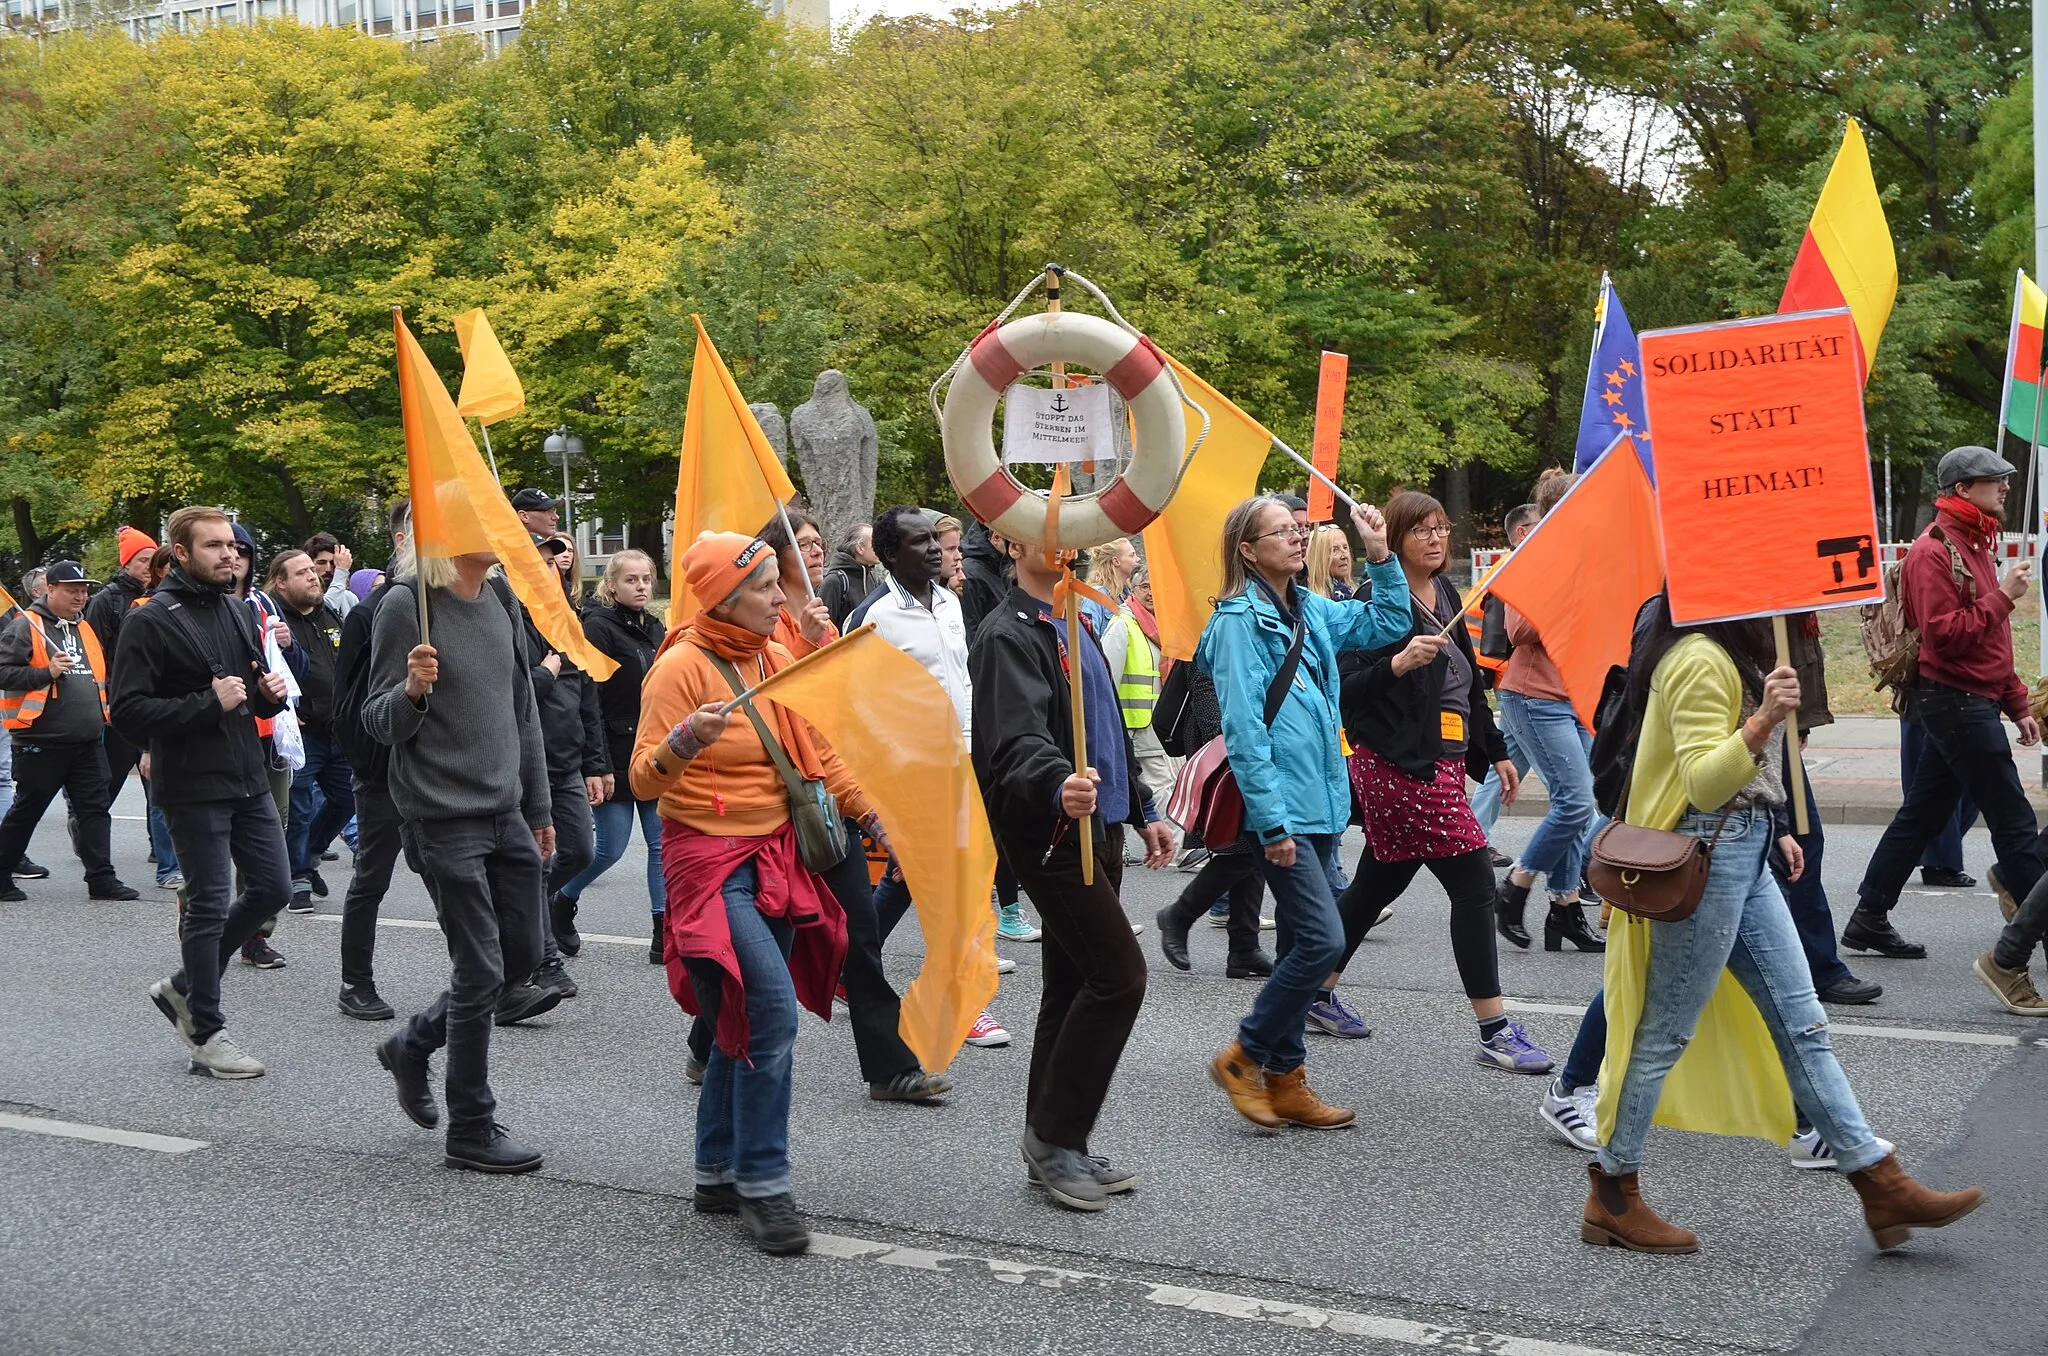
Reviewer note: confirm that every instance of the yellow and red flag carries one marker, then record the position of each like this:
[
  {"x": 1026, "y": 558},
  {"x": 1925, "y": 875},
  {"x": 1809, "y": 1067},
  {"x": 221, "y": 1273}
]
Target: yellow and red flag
[
  {"x": 2022, "y": 396},
  {"x": 459, "y": 509},
  {"x": 1846, "y": 258},
  {"x": 1184, "y": 544},
  {"x": 490, "y": 388},
  {"x": 874, "y": 704},
  {"x": 729, "y": 480}
]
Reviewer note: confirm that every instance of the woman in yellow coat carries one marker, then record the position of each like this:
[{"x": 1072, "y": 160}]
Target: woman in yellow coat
[{"x": 1707, "y": 764}]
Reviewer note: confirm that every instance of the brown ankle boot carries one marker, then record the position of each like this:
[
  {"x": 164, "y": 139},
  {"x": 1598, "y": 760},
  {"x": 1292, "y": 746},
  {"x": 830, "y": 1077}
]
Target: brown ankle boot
[
  {"x": 1616, "y": 1215},
  {"x": 1293, "y": 1100},
  {"x": 1239, "y": 1075},
  {"x": 1894, "y": 1205}
]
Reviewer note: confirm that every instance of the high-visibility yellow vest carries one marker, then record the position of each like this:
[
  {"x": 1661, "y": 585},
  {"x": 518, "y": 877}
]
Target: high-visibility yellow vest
[
  {"x": 1138, "y": 692},
  {"x": 19, "y": 710}
]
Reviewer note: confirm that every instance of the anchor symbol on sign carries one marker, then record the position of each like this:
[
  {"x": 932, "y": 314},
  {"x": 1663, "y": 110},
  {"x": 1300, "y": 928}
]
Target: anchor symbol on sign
[{"x": 1059, "y": 402}]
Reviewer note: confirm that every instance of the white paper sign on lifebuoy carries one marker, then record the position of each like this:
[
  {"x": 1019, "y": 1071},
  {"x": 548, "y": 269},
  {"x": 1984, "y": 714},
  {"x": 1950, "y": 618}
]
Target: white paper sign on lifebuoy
[{"x": 1057, "y": 426}]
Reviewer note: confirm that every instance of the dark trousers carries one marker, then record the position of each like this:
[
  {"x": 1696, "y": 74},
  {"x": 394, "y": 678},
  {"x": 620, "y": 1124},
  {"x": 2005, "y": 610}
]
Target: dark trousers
[
  {"x": 1945, "y": 851},
  {"x": 1467, "y": 878},
  {"x": 323, "y": 800},
  {"x": 217, "y": 840},
  {"x": 1094, "y": 984},
  {"x": 80, "y": 772},
  {"x": 122, "y": 758},
  {"x": 1807, "y": 897},
  {"x": 377, "y": 848},
  {"x": 1237, "y": 875},
  {"x": 1970, "y": 755},
  {"x": 575, "y": 831},
  {"x": 484, "y": 873}
]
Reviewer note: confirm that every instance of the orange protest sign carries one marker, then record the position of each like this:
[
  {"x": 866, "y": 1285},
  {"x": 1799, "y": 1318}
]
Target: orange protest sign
[
  {"x": 1322, "y": 505},
  {"x": 1763, "y": 473}
]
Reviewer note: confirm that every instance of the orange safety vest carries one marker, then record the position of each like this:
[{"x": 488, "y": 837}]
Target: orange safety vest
[
  {"x": 1475, "y": 614},
  {"x": 19, "y": 710}
]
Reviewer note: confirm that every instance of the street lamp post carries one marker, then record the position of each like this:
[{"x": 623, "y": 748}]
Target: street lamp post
[{"x": 564, "y": 449}]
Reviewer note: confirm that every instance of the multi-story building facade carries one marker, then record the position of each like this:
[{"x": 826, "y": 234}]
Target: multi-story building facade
[{"x": 493, "y": 22}]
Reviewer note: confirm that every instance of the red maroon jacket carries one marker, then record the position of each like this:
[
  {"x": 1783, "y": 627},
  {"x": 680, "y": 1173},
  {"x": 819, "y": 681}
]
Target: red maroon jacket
[{"x": 1962, "y": 645}]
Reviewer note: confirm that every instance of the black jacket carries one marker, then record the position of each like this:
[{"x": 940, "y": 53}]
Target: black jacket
[
  {"x": 111, "y": 606},
  {"x": 1023, "y": 742},
  {"x": 72, "y": 713},
  {"x": 569, "y": 723},
  {"x": 1398, "y": 717},
  {"x": 988, "y": 576},
  {"x": 631, "y": 638},
  {"x": 316, "y": 639},
  {"x": 162, "y": 694},
  {"x": 847, "y": 582}
]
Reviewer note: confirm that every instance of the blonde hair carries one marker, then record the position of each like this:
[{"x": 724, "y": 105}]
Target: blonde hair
[
  {"x": 572, "y": 582},
  {"x": 1321, "y": 546},
  {"x": 947, "y": 523},
  {"x": 1103, "y": 571},
  {"x": 615, "y": 566},
  {"x": 1237, "y": 530},
  {"x": 1552, "y": 486}
]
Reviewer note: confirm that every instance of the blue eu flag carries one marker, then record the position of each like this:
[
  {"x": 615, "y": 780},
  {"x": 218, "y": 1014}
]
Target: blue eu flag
[{"x": 1614, "y": 387}]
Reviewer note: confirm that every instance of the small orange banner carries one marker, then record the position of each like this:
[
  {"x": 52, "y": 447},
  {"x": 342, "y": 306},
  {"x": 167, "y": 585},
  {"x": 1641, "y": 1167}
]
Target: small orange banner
[
  {"x": 1322, "y": 505},
  {"x": 1763, "y": 470}
]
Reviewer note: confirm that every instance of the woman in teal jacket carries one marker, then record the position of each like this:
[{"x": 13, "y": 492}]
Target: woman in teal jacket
[{"x": 1297, "y": 797}]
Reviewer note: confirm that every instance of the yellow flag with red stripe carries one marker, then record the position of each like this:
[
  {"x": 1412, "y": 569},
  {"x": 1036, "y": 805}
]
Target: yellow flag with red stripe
[
  {"x": 1846, "y": 258},
  {"x": 459, "y": 509}
]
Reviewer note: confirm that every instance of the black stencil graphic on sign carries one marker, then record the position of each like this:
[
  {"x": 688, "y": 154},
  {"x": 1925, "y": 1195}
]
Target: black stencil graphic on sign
[{"x": 1839, "y": 552}]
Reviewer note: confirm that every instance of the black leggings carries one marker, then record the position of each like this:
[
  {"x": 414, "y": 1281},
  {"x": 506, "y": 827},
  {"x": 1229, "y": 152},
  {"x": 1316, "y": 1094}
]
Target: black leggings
[{"x": 1467, "y": 878}]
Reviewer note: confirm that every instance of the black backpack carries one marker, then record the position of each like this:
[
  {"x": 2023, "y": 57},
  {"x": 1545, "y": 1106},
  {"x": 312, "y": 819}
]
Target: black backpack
[
  {"x": 1170, "y": 712},
  {"x": 1618, "y": 718}
]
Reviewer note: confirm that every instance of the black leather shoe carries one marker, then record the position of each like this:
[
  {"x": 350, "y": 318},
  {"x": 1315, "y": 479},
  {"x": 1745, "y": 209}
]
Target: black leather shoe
[
  {"x": 1852, "y": 990},
  {"x": 1507, "y": 911},
  {"x": 409, "y": 1071},
  {"x": 28, "y": 870},
  {"x": 1942, "y": 879},
  {"x": 1173, "y": 939},
  {"x": 721, "y": 1199},
  {"x": 655, "y": 946},
  {"x": 521, "y": 1001},
  {"x": 1248, "y": 965},
  {"x": 1501, "y": 861},
  {"x": 493, "y": 1151},
  {"x": 117, "y": 892},
  {"x": 562, "y": 917},
  {"x": 777, "y": 1229},
  {"x": 1874, "y": 932},
  {"x": 1567, "y": 922},
  {"x": 362, "y": 1002}
]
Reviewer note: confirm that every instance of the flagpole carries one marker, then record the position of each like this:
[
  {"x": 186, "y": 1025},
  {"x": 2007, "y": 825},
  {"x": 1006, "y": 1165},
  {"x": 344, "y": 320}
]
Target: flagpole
[
  {"x": 2012, "y": 339},
  {"x": 772, "y": 679},
  {"x": 484, "y": 429},
  {"x": 419, "y": 581},
  {"x": 803, "y": 571},
  {"x": 1305, "y": 464}
]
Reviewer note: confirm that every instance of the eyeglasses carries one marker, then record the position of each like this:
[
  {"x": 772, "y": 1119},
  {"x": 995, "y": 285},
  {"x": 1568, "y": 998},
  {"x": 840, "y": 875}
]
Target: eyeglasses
[
  {"x": 1441, "y": 531},
  {"x": 1293, "y": 531}
]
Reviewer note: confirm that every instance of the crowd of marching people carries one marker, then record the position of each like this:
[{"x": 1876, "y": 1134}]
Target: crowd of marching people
[{"x": 274, "y": 709}]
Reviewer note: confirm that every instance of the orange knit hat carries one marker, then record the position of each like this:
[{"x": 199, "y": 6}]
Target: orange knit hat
[
  {"x": 132, "y": 540},
  {"x": 718, "y": 562}
]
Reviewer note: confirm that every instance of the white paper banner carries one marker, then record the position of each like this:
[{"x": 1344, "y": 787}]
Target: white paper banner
[{"x": 1057, "y": 426}]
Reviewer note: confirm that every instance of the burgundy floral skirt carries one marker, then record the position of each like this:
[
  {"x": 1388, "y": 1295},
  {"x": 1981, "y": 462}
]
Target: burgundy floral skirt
[{"x": 1411, "y": 821}]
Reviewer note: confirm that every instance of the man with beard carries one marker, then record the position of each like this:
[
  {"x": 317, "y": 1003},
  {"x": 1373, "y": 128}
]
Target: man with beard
[{"x": 315, "y": 633}]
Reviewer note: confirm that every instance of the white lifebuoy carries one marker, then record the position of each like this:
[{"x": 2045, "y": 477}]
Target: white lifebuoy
[{"x": 1131, "y": 364}]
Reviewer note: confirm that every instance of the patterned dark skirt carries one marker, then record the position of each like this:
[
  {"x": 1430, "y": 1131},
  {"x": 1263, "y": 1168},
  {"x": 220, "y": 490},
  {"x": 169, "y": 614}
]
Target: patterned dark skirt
[{"x": 1411, "y": 821}]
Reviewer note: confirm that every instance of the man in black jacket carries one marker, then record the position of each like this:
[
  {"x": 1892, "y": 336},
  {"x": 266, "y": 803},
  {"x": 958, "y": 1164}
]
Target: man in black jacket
[
  {"x": 315, "y": 633},
  {"x": 1038, "y": 803},
  {"x": 189, "y": 683},
  {"x": 53, "y": 695}
]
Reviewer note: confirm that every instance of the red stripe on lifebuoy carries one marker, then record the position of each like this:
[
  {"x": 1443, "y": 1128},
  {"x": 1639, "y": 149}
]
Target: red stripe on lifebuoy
[
  {"x": 1121, "y": 505},
  {"x": 1136, "y": 369},
  {"x": 992, "y": 498},
  {"x": 994, "y": 362}
]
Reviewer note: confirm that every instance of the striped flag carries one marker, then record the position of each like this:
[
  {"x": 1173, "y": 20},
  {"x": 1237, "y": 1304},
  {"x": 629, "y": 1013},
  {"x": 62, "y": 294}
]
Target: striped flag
[
  {"x": 1847, "y": 258},
  {"x": 2021, "y": 399}
]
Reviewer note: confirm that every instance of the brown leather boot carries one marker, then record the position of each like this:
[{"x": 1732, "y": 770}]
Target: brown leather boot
[
  {"x": 1239, "y": 1075},
  {"x": 1616, "y": 1216},
  {"x": 1293, "y": 1100},
  {"x": 1894, "y": 1205}
]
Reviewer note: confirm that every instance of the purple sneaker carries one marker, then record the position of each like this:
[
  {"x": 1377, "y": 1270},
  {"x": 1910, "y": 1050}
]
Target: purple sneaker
[
  {"x": 1334, "y": 1018},
  {"x": 1511, "y": 1049}
]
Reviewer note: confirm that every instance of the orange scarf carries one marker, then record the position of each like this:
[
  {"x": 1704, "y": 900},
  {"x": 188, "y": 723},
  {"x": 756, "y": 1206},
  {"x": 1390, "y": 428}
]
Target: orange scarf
[{"x": 749, "y": 652}]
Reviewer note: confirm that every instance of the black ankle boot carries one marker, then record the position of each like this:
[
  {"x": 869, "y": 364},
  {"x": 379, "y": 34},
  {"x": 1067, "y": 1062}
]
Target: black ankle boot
[
  {"x": 1871, "y": 929},
  {"x": 1252, "y": 964},
  {"x": 1568, "y": 922},
  {"x": 1507, "y": 910}
]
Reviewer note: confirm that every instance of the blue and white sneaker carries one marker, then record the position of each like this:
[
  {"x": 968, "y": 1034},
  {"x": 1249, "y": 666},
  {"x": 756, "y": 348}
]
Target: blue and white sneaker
[
  {"x": 1511, "y": 1049},
  {"x": 1013, "y": 926},
  {"x": 1334, "y": 1018},
  {"x": 1571, "y": 1115},
  {"x": 1813, "y": 1154}
]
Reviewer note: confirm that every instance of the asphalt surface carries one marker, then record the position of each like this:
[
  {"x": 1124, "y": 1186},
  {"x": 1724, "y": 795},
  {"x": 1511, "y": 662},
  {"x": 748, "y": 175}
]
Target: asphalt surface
[{"x": 315, "y": 1218}]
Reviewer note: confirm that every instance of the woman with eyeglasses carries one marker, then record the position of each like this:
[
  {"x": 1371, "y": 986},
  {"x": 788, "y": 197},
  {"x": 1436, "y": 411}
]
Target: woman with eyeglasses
[
  {"x": 1271, "y": 649},
  {"x": 1418, "y": 724}
]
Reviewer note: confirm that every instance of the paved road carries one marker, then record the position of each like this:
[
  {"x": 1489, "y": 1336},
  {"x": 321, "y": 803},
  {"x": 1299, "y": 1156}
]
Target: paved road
[{"x": 316, "y": 1219}]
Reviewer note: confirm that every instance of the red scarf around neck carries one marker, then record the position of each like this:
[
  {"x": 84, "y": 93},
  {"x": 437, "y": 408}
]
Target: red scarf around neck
[{"x": 1985, "y": 525}]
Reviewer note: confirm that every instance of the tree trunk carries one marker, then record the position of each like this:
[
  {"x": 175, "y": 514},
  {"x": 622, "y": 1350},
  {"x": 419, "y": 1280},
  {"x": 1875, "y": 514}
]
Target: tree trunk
[
  {"x": 25, "y": 532},
  {"x": 645, "y": 535},
  {"x": 295, "y": 504},
  {"x": 1457, "y": 483}
]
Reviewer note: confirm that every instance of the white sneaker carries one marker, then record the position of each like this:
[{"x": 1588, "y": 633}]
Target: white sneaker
[
  {"x": 1266, "y": 923},
  {"x": 1004, "y": 965},
  {"x": 219, "y": 1057},
  {"x": 1385, "y": 914},
  {"x": 987, "y": 1032},
  {"x": 1811, "y": 1153},
  {"x": 1137, "y": 928},
  {"x": 1572, "y": 1116},
  {"x": 171, "y": 1004}
]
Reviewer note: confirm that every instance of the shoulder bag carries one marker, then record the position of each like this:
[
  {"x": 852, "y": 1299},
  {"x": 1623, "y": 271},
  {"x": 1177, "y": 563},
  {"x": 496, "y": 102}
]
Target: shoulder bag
[
  {"x": 820, "y": 828},
  {"x": 1655, "y": 874},
  {"x": 1205, "y": 795}
]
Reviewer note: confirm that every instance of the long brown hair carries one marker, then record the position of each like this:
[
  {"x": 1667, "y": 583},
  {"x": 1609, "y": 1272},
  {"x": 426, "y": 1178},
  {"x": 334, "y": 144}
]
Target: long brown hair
[
  {"x": 1238, "y": 526},
  {"x": 1552, "y": 486},
  {"x": 1409, "y": 510}
]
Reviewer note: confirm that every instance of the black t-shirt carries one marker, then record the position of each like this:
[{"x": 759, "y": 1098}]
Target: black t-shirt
[{"x": 318, "y": 636}]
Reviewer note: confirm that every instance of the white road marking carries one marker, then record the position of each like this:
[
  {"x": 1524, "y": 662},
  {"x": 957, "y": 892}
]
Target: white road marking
[
  {"x": 1896, "y": 1033},
  {"x": 605, "y": 937},
  {"x": 133, "y": 1139},
  {"x": 1222, "y": 1304}
]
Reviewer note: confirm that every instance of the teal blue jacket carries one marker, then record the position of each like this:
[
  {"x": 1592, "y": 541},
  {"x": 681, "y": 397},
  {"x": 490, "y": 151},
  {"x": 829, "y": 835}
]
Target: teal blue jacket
[{"x": 1292, "y": 776}]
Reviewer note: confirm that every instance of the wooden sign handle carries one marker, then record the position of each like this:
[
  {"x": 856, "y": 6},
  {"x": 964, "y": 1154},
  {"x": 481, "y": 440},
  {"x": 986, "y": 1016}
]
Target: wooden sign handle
[{"x": 1795, "y": 768}]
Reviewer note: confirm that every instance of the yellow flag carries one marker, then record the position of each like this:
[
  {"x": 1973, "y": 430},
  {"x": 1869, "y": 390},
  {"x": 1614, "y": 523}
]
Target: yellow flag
[
  {"x": 1184, "y": 545},
  {"x": 490, "y": 388},
  {"x": 729, "y": 480},
  {"x": 458, "y": 507},
  {"x": 892, "y": 724}
]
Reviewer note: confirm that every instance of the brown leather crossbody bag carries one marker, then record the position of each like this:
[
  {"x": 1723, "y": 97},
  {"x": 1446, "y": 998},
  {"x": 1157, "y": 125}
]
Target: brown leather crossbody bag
[{"x": 1655, "y": 874}]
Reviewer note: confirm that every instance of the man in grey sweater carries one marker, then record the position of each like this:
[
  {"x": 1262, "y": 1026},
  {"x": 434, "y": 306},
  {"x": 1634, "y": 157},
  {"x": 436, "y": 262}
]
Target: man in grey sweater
[{"x": 469, "y": 779}]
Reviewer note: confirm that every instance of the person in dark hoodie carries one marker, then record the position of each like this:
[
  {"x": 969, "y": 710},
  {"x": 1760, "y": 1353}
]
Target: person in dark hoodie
[
  {"x": 988, "y": 575},
  {"x": 189, "y": 683},
  {"x": 315, "y": 633},
  {"x": 53, "y": 699},
  {"x": 579, "y": 769},
  {"x": 851, "y": 574}
]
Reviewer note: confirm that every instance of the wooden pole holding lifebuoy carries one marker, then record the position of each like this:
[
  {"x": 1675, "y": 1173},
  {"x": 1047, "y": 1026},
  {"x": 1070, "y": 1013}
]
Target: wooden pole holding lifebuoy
[{"x": 1077, "y": 709}]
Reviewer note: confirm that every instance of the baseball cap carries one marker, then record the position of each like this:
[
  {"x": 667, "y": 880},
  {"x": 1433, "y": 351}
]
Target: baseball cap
[
  {"x": 549, "y": 546},
  {"x": 531, "y": 499},
  {"x": 68, "y": 572},
  {"x": 1971, "y": 463}
]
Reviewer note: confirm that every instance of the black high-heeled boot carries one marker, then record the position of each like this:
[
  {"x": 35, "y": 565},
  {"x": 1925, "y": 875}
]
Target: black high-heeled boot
[
  {"x": 1507, "y": 910},
  {"x": 1569, "y": 921}
]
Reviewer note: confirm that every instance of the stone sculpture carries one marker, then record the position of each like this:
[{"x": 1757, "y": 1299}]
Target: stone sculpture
[{"x": 834, "y": 439}]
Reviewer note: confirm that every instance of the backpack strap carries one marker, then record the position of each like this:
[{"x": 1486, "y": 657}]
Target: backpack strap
[
  {"x": 1276, "y": 693},
  {"x": 791, "y": 782},
  {"x": 200, "y": 642}
]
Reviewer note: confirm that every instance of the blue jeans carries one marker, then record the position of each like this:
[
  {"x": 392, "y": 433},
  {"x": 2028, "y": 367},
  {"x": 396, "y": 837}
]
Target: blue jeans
[
  {"x": 743, "y": 1109},
  {"x": 309, "y": 830},
  {"x": 1308, "y": 944},
  {"x": 614, "y": 820},
  {"x": 1741, "y": 926},
  {"x": 161, "y": 847},
  {"x": 1486, "y": 800},
  {"x": 1558, "y": 748}
]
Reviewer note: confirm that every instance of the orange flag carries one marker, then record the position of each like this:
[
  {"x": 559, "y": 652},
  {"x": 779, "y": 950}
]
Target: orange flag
[
  {"x": 1847, "y": 258},
  {"x": 1581, "y": 576},
  {"x": 876, "y": 705},
  {"x": 490, "y": 388},
  {"x": 458, "y": 507},
  {"x": 1322, "y": 504},
  {"x": 729, "y": 480},
  {"x": 1184, "y": 544}
]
